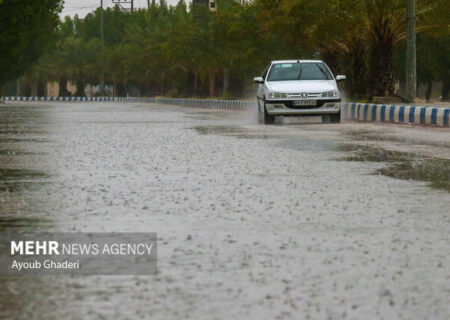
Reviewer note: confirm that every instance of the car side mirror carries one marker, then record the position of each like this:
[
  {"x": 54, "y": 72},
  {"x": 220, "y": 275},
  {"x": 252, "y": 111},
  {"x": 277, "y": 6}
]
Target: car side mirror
[
  {"x": 340, "y": 77},
  {"x": 258, "y": 80}
]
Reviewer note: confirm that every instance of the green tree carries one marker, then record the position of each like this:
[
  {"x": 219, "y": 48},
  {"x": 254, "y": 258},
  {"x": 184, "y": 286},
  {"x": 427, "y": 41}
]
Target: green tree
[
  {"x": 171, "y": 50},
  {"x": 361, "y": 35},
  {"x": 25, "y": 27}
]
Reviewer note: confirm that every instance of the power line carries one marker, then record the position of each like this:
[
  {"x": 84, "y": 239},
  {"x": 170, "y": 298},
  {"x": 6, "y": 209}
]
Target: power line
[
  {"x": 72, "y": 7},
  {"x": 125, "y": 2}
]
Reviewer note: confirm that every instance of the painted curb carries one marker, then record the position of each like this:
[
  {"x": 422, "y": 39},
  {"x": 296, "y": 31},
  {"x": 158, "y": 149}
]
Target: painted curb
[{"x": 419, "y": 115}]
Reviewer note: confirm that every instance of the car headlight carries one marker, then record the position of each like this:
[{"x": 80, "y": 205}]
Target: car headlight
[
  {"x": 277, "y": 95},
  {"x": 333, "y": 93}
]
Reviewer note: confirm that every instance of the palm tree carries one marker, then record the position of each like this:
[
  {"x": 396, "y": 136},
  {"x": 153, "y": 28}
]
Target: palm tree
[{"x": 354, "y": 31}]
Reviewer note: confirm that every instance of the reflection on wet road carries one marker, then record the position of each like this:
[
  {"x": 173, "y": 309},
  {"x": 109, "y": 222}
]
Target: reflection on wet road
[
  {"x": 403, "y": 165},
  {"x": 23, "y": 166},
  {"x": 287, "y": 221}
]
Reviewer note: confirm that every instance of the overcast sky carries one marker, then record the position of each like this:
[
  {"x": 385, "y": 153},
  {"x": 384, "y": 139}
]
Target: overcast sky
[{"x": 83, "y": 7}]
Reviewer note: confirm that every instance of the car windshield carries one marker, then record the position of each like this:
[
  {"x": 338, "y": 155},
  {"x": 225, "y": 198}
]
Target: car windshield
[{"x": 299, "y": 71}]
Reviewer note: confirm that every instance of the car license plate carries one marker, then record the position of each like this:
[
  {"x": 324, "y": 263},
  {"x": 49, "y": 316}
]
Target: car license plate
[{"x": 304, "y": 103}]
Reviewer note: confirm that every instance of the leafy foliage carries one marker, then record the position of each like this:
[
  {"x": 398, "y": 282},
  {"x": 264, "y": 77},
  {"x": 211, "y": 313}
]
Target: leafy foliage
[
  {"x": 25, "y": 26},
  {"x": 174, "y": 50}
]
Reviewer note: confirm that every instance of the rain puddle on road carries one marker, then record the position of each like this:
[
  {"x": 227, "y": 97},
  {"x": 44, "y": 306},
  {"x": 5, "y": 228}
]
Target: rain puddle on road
[
  {"x": 402, "y": 165},
  {"x": 285, "y": 139},
  {"x": 25, "y": 140},
  {"x": 209, "y": 114},
  {"x": 305, "y": 144},
  {"x": 9, "y": 224},
  {"x": 372, "y": 154},
  {"x": 237, "y": 132},
  {"x": 368, "y": 135},
  {"x": 13, "y": 180},
  {"x": 21, "y": 131},
  {"x": 9, "y": 152},
  {"x": 23, "y": 149}
]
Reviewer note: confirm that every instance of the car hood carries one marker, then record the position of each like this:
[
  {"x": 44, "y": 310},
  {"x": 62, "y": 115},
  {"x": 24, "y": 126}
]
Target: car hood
[{"x": 301, "y": 86}]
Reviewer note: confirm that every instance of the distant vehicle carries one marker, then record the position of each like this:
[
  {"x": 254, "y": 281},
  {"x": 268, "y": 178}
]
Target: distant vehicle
[{"x": 293, "y": 88}]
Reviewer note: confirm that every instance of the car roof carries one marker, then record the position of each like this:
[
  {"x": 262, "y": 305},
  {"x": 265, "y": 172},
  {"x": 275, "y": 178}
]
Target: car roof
[{"x": 295, "y": 61}]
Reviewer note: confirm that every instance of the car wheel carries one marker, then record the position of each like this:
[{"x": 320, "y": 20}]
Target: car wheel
[
  {"x": 268, "y": 119},
  {"x": 260, "y": 114},
  {"x": 335, "y": 118}
]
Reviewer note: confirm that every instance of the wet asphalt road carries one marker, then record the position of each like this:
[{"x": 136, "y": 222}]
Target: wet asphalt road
[{"x": 294, "y": 221}]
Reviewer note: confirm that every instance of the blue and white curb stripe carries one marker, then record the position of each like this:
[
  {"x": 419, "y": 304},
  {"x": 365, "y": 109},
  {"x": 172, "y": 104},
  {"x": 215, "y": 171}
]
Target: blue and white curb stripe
[{"x": 400, "y": 114}]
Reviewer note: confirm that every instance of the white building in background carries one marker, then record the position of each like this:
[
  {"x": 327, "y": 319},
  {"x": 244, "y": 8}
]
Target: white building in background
[
  {"x": 53, "y": 88},
  {"x": 212, "y": 5}
]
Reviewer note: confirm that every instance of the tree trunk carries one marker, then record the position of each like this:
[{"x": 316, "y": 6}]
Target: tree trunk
[
  {"x": 42, "y": 88},
  {"x": 120, "y": 89},
  {"x": 331, "y": 58},
  {"x": 63, "y": 92},
  {"x": 195, "y": 83},
  {"x": 428, "y": 91},
  {"x": 358, "y": 72},
  {"x": 190, "y": 84},
  {"x": 19, "y": 87},
  {"x": 226, "y": 77},
  {"x": 445, "y": 90},
  {"x": 148, "y": 89},
  {"x": 382, "y": 65},
  {"x": 212, "y": 82},
  {"x": 80, "y": 88},
  {"x": 162, "y": 84},
  {"x": 34, "y": 89}
]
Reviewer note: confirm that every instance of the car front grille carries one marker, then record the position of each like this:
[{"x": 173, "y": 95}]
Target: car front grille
[
  {"x": 290, "y": 105},
  {"x": 301, "y": 95}
]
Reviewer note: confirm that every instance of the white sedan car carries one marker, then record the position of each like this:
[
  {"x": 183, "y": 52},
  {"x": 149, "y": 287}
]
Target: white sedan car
[{"x": 298, "y": 88}]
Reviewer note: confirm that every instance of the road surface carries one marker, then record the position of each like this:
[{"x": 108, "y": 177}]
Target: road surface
[{"x": 295, "y": 221}]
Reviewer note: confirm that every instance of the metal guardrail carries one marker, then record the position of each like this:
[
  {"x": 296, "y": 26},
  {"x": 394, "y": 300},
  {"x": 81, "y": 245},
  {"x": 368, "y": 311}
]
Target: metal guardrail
[
  {"x": 58, "y": 99},
  {"x": 198, "y": 103},
  {"x": 204, "y": 103}
]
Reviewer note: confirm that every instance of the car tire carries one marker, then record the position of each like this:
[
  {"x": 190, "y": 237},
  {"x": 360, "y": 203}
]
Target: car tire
[
  {"x": 260, "y": 114},
  {"x": 331, "y": 118},
  {"x": 267, "y": 118},
  {"x": 335, "y": 118}
]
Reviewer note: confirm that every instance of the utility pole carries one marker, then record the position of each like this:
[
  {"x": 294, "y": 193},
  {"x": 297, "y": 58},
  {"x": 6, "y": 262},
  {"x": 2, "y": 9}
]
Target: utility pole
[
  {"x": 102, "y": 36},
  {"x": 101, "y": 21},
  {"x": 411, "y": 64}
]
